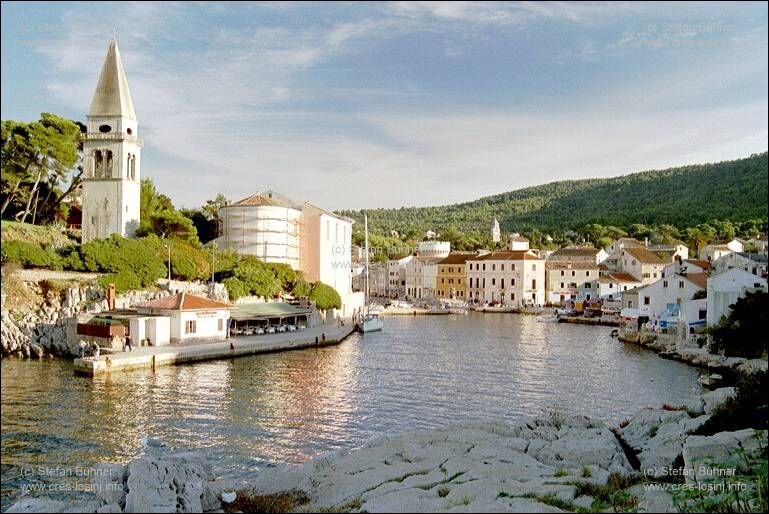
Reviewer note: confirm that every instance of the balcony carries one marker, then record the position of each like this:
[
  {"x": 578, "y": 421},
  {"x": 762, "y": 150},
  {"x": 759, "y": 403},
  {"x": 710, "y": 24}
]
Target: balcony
[{"x": 114, "y": 136}]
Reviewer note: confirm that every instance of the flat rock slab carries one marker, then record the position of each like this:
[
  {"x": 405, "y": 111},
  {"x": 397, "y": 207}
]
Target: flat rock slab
[{"x": 489, "y": 467}]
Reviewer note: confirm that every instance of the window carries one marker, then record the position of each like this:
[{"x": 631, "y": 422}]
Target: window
[
  {"x": 493, "y": 267},
  {"x": 680, "y": 284},
  {"x": 459, "y": 281},
  {"x": 493, "y": 281},
  {"x": 587, "y": 273},
  {"x": 563, "y": 273},
  {"x": 503, "y": 267},
  {"x": 534, "y": 283},
  {"x": 562, "y": 285},
  {"x": 502, "y": 283},
  {"x": 104, "y": 129},
  {"x": 573, "y": 273},
  {"x": 664, "y": 283},
  {"x": 703, "y": 313},
  {"x": 533, "y": 267},
  {"x": 512, "y": 296},
  {"x": 190, "y": 327},
  {"x": 484, "y": 282},
  {"x": 443, "y": 281},
  {"x": 129, "y": 130},
  {"x": 646, "y": 300},
  {"x": 484, "y": 266}
]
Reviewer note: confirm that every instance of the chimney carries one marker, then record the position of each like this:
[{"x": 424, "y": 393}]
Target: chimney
[{"x": 111, "y": 297}]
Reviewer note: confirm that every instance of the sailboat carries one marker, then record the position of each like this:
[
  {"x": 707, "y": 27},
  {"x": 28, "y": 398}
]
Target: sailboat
[{"x": 372, "y": 321}]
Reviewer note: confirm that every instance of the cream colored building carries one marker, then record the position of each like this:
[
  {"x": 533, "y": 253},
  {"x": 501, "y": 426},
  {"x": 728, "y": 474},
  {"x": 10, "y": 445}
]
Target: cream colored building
[
  {"x": 565, "y": 280},
  {"x": 641, "y": 264},
  {"x": 515, "y": 278},
  {"x": 421, "y": 277},
  {"x": 111, "y": 156}
]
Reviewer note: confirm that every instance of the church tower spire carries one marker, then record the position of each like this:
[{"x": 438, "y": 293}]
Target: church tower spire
[
  {"x": 111, "y": 156},
  {"x": 112, "y": 97}
]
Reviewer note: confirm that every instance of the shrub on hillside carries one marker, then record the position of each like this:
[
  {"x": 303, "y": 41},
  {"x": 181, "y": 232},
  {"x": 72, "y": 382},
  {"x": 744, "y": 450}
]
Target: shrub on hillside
[
  {"x": 124, "y": 281},
  {"x": 137, "y": 257},
  {"x": 235, "y": 288},
  {"x": 29, "y": 255}
]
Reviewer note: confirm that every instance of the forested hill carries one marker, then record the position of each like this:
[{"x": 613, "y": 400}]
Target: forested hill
[{"x": 683, "y": 197}]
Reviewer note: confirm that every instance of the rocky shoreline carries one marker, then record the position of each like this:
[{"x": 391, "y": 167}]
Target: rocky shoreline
[
  {"x": 50, "y": 330},
  {"x": 548, "y": 464},
  {"x": 670, "y": 348}
]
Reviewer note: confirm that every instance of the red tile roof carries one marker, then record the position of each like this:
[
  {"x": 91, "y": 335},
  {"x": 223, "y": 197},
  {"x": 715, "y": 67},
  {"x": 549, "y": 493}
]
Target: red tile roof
[
  {"x": 698, "y": 279},
  {"x": 519, "y": 255},
  {"x": 622, "y": 277},
  {"x": 644, "y": 256},
  {"x": 700, "y": 263},
  {"x": 574, "y": 251},
  {"x": 457, "y": 258},
  {"x": 184, "y": 302}
]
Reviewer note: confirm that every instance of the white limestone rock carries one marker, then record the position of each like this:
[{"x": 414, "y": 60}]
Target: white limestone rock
[
  {"x": 166, "y": 484},
  {"x": 701, "y": 452},
  {"x": 715, "y": 399}
]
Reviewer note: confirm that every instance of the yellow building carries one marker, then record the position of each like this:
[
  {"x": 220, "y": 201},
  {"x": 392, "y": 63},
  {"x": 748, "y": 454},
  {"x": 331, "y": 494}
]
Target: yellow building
[{"x": 451, "y": 281}]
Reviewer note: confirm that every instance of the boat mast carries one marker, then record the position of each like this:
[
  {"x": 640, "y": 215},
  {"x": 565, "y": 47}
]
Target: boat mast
[{"x": 365, "y": 287}]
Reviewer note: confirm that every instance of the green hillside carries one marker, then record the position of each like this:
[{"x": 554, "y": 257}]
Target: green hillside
[{"x": 683, "y": 197}]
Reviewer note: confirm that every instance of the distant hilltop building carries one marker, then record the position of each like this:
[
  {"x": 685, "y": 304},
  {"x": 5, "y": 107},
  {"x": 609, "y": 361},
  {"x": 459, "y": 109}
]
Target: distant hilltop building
[
  {"x": 518, "y": 243},
  {"x": 496, "y": 234},
  {"x": 276, "y": 229},
  {"x": 111, "y": 156}
]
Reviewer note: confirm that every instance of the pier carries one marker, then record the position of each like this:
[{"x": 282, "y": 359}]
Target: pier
[{"x": 151, "y": 357}]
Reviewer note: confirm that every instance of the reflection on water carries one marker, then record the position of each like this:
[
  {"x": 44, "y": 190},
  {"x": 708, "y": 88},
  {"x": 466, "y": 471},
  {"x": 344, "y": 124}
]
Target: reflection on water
[{"x": 421, "y": 372}]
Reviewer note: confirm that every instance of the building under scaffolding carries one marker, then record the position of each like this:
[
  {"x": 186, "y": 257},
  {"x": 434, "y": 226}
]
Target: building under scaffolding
[{"x": 265, "y": 225}]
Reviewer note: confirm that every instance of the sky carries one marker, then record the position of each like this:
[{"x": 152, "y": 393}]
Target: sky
[{"x": 363, "y": 105}]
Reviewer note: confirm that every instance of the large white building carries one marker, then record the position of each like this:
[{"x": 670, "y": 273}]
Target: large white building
[
  {"x": 422, "y": 277},
  {"x": 514, "y": 278},
  {"x": 111, "y": 156},
  {"x": 725, "y": 288},
  {"x": 276, "y": 229}
]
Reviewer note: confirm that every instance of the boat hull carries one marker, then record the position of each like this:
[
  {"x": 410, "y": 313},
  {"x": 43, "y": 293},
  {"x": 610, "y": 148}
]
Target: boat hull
[{"x": 371, "y": 325}]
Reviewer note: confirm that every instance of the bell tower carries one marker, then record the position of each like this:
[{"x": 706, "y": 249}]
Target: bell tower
[{"x": 111, "y": 156}]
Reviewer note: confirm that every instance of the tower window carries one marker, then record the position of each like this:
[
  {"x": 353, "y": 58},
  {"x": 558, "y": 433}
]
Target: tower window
[
  {"x": 129, "y": 130},
  {"x": 105, "y": 128}
]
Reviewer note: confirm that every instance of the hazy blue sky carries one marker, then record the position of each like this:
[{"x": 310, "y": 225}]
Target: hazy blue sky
[{"x": 403, "y": 103}]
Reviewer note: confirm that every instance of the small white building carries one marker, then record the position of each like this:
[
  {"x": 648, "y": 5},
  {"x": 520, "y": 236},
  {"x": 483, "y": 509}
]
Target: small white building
[
  {"x": 611, "y": 286},
  {"x": 641, "y": 264},
  {"x": 518, "y": 243},
  {"x": 714, "y": 252},
  {"x": 725, "y": 288},
  {"x": 192, "y": 318},
  {"x": 654, "y": 299},
  {"x": 754, "y": 263}
]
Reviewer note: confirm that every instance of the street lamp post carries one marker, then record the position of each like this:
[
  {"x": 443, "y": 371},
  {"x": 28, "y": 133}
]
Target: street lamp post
[
  {"x": 213, "y": 263},
  {"x": 168, "y": 247}
]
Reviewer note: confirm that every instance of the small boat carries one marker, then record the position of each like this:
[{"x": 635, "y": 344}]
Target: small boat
[
  {"x": 547, "y": 319},
  {"x": 372, "y": 322},
  {"x": 710, "y": 379}
]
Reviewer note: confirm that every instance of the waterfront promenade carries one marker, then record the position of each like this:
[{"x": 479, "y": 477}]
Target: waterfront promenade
[{"x": 151, "y": 357}]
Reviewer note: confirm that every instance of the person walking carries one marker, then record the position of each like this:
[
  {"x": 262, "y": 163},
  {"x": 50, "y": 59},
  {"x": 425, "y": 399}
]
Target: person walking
[
  {"x": 81, "y": 349},
  {"x": 96, "y": 349},
  {"x": 128, "y": 344}
]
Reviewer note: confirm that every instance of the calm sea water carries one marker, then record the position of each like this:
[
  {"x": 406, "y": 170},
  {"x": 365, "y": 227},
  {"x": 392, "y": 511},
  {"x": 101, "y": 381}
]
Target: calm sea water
[{"x": 421, "y": 372}]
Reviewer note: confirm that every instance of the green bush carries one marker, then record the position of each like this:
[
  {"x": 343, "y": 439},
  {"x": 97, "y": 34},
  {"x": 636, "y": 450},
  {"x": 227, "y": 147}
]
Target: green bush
[
  {"x": 743, "y": 333},
  {"x": 137, "y": 262},
  {"x": 325, "y": 296},
  {"x": 29, "y": 255},
  {"x": 257, "y": 277},
  {"x": 124, "y": 281},
  {"x": 235, "y": 288}
]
